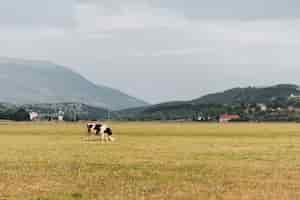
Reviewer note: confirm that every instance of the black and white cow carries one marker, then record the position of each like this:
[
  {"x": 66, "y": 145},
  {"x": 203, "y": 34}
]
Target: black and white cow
[{"x": 99, "y": 129}]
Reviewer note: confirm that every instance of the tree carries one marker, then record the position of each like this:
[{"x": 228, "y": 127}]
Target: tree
[{"x": 20, "y": 115}]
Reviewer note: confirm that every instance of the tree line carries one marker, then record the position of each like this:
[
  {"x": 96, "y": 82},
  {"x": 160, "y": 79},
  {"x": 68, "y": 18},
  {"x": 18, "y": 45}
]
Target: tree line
[{"x": 16, "y": 115}]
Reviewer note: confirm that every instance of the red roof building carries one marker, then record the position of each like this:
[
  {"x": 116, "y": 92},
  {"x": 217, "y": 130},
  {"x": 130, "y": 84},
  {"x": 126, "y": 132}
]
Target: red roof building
[{"x": 227, "y": 118}]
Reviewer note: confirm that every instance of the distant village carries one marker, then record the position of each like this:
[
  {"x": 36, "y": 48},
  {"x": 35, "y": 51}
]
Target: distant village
[
  {"x": 35, "y": 116},
  {"x": 57, "y": 112},
  {"x": 50, "y": 112},
  {"x": 278, "y": 109},
  {"x": 255, "y": 112}
]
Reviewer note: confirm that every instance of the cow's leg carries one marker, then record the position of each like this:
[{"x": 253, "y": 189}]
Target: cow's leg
[
  {"x": 102, "y": 137},
  {"x": 105, "y": 137},
  {"x": 97, "y": 131},
  {"x": 89, "y": 134},
  {"x": 111, "y": 138},
  {"x": 108, "y": 133},
  {"x": 93, "y": 134}
]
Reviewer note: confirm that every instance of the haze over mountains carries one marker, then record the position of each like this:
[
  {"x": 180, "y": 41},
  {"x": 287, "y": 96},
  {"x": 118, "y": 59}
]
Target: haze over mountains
[
  {"x": 38, "y": 82},
  {"x": 34, "y": 82},
  {"x": 46, "y": 87}
]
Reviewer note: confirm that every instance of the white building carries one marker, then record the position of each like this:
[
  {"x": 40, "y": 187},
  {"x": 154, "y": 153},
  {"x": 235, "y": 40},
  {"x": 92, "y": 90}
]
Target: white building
[
  {"x": 294, "y": 97},
  {"x": 33, "y": 116},
  {"x": 61, "y": 115},
  {"x": 262, "y": 107}
]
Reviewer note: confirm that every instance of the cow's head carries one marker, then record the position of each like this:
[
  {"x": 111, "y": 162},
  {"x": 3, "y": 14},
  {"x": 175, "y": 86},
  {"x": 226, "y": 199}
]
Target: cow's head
[
  {"x": 89, "y": 127},
  {"x": 108, "y": 131}
]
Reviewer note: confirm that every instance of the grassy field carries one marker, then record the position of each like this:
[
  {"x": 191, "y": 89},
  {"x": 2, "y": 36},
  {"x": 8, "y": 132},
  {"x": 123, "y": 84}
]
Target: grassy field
[{"x": 150, "y": 161}]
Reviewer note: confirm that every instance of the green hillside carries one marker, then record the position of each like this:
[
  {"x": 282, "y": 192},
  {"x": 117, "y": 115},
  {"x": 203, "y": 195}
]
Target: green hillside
[
  {"x": 250, "y": 95},
  {"x": 233, "y": 101}
]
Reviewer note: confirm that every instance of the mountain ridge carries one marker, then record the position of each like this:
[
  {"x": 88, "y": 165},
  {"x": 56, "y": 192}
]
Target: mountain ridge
[
  {"x": 249, "y": 94},
  {"x": 33, "y": 82}
]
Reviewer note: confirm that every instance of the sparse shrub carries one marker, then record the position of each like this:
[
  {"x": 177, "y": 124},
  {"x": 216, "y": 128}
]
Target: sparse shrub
[
  {"x": 41, "y": 198},
  {"x": 77, "y": 195}
]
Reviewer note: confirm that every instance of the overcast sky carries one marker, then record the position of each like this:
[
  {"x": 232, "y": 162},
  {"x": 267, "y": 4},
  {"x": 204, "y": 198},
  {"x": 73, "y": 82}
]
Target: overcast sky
[{"x": 159, "y": 50}]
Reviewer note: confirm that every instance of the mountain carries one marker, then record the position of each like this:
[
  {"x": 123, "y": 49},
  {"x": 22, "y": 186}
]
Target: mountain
[
  {"x": 250, "y": 95},
  {"x": 230, "y": 101},
  {"x": 6, "y": 106},
  {"x": 34, "y": 82}
]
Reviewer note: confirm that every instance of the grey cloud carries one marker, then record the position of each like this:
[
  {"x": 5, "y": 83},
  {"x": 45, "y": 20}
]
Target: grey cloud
[
  {"x": 243, "y": 9},
  {"x": 28, "y": 13},
  {"x": 185, "y": 63},
  {"x": 160, "y": 50},
  {"x": 231, "y": 9}
]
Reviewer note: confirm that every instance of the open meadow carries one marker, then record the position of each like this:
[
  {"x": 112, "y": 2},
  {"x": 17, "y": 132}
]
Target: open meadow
[{"x": 52, "y": 161}]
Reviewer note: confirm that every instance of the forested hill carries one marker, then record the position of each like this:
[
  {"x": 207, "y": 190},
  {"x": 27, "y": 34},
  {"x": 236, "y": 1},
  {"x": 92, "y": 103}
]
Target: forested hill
[
  {"x": 234, "y": 101},
  {"x": 250, "y": 95}
]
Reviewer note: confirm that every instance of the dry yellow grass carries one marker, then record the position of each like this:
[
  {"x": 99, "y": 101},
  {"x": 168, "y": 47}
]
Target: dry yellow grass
[{"x": 150, "y": 161}]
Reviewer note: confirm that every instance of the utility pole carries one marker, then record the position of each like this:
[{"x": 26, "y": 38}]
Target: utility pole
[{"x": 108, "y": 114}]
